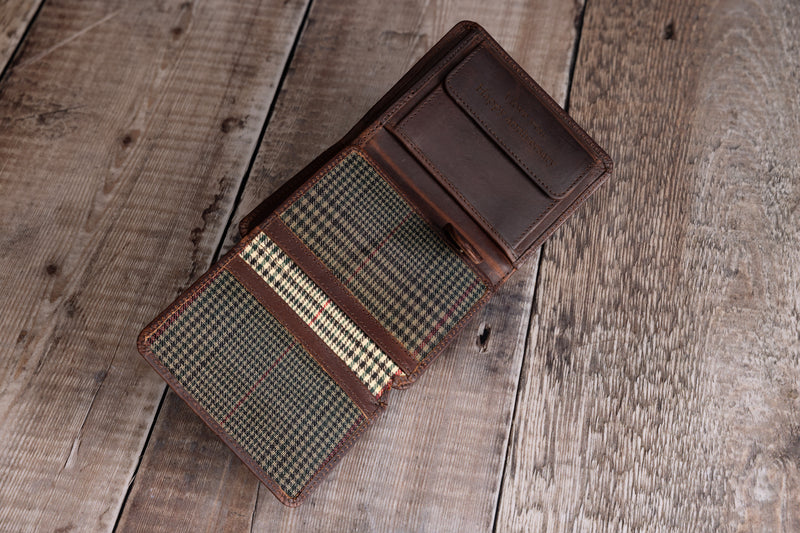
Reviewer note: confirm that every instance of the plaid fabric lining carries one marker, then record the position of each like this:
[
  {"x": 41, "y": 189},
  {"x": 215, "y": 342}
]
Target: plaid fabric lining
[
  {"x": 257, "y": 382},
  {"x": 387, "y": 255},
  {"x": 326, "y": 319}
]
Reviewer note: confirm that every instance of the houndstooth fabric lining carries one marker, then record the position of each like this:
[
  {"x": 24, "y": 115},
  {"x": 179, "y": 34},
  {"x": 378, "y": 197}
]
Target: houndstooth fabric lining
[
  {"x": 252, "y": 377},
  {"x": 373, "y": 367},
  {"x": 387, "y": 255}
]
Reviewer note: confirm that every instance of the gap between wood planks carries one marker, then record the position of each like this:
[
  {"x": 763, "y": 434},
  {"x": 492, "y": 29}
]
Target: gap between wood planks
[
  {"x": 243, "y": 183},
  {"x": 218, "y": 250},
  {"x": 6, "y": 67},
  {"x": 527, "y": 348}
]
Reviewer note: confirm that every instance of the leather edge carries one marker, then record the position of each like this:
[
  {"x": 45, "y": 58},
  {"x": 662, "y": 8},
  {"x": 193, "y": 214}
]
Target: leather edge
[
  {"x": 334, "y": 289},
  {"x": 331, "y": 363},
  {"x": 142, "y": 345}
]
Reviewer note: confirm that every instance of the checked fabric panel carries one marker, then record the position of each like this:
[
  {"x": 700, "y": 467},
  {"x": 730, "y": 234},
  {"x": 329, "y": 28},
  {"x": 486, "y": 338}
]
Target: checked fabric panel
[
  {"x": 373, "y": 367},
  {"x": 256, "y": 381},
  {"x": 391, "y": 260}
]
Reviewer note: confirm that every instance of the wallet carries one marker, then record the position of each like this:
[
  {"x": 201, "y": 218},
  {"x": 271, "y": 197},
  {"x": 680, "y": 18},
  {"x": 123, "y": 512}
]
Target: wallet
[{"x": 352, "y": 277}]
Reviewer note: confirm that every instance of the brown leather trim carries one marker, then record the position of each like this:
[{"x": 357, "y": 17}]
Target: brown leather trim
[
  {"x": 329, "y": 361},
  {"x": 143, "y": 345},
  {"x": 433, "y": 203},
  {"x": 285, "y": 238}
]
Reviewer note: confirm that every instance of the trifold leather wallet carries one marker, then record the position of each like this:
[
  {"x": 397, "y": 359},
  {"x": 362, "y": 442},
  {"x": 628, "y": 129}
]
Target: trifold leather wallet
[{"x": 352, "y": 277}]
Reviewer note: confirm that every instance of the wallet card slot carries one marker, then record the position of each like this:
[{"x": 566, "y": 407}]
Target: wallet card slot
[
  {"x": 345, "y": 351},
  {"x": 385, "y": 254},
  {"x": 340, "y": 298},
  {"x": 253, "y": 382}
]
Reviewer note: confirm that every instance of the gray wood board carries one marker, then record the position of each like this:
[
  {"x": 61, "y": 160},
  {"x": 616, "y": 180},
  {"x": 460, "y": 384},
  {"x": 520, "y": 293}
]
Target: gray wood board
[
  {"x": 15, "y": 17},
  {"x": 662, "y": 391},
  {"x": 125, "y": 130}
]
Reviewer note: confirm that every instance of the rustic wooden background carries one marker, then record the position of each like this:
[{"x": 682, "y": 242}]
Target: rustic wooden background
[{"x": 642, "y": 374}]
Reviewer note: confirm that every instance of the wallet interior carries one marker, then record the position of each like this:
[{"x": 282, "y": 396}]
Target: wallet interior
[{"x": 262, "y": 349}]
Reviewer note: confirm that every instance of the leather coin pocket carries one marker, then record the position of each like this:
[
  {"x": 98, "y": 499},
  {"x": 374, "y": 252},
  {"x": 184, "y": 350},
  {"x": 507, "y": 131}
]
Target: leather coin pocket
[{"x": 490, "y": 137}]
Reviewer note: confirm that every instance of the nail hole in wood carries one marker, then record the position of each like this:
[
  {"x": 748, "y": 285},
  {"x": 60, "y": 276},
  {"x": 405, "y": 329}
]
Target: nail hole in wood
[
  {"x": 669, "y": 31},
  {"x": 483, "y": 337}
]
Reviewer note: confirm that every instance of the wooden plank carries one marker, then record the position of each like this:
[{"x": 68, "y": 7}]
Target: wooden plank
[
  {"x": 662, "y": 391},
  {"x": 125, "y": 130},
  {"x": 15, "y": 16},
  {"x": 434, "y": 460}
]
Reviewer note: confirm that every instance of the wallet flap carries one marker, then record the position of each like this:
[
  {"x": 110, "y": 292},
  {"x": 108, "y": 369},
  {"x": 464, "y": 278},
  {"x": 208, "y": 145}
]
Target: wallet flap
[{"x": 507, "y": 107}]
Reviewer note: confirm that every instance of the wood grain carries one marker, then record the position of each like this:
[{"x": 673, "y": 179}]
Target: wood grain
[
  {"x": 658, "y": 377},
  {"x": 15, "y": 16},
  {"x": 125, "y": 130},
  {"x": 434, "y": 460},
  {"x": 662, "y": 388}
]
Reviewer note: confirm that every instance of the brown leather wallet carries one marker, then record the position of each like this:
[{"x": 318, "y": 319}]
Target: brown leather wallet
[{"x": 353, "y": 276}]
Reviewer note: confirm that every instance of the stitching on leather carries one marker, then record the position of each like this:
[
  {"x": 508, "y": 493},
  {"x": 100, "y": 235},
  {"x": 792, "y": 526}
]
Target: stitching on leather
[
  {"x": 297, "y": 337},
  {"x": 537, "y": 219},
  {"x": 325, "y": 286},
  {"x": 511, "y": 65},
  {"x": 488, "y": 128},
  {"x": 418, "y": 211},
  {"x": 418, "y": 150},
  {"x": 547, "y": 100}
]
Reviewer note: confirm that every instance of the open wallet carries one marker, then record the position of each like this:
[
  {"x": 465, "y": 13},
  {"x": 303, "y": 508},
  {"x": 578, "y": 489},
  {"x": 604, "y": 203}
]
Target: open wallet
[{"x": 351, "y": 278}]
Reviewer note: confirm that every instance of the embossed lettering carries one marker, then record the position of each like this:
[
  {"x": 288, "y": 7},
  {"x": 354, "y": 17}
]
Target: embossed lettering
[{"x": 503, "y": 112}]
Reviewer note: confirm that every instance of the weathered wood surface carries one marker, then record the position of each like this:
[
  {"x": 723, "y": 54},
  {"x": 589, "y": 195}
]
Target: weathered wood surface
[
  {"x": 652, "y": 385},
  {"x": 662, "y": 388},
  {"x": 125, "y": 130},
  {"x": 15, "y": 16},
  {"x": 434, "y": 461}
]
